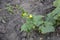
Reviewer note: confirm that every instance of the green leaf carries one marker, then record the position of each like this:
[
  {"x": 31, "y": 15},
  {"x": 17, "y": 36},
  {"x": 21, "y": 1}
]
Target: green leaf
[
  {"x": 24, "y": 27},
  {"x": 28, "y": 20},
  {"x": 57, "y": 17},
  {"x": 27, "y": 27},
  {"x": 46, "y": 28},
  {"x": 37, "y": 20},
  {"x": 50, "y": 16},
  {"x": 56, "y": 3}
]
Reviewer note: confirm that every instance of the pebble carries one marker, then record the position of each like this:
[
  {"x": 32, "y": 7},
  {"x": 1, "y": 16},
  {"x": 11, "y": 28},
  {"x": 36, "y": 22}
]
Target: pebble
[
  {"x": 41, "y": 38},
  {"x": 3, "y": 21},
  {"x": 23, "y": 38},
  {"x": 31, "y": 39}
]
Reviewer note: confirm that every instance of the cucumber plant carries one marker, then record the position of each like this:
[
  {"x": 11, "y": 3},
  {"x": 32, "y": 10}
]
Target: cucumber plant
[{"x": 40, "y": 23}]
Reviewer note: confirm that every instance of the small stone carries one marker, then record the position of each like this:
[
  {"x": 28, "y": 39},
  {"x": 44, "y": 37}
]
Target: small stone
[
  {"x": 57, "y": 35},
  {"x": 31, "y": 38},
  {"x": 24, "y": 34},
  {"x": 3, "y": 21},
  {"x": 0, "y": 18},
  {"x": 41, "y": 38},
  {"x": 48, "y": 37},
  {"x": 23, "y": 38}
]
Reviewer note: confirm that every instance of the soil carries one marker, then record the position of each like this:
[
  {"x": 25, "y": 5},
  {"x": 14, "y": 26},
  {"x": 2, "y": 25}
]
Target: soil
[{"x": 10, "y": 24}]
